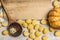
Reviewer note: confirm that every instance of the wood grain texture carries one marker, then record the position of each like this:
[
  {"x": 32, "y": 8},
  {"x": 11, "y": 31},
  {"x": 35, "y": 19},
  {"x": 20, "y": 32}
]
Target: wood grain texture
[{"x": 23, "y": 9}]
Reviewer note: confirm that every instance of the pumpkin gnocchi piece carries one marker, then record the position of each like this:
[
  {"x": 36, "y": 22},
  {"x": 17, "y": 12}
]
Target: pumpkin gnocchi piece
[
  {"x": 32, "y": 35},
  {"x": 25, "y": 25},
  {"x": 30, "y": 26},
  {"x": 28, "y": 21},
  {"x": 31, "y": 30},
  {"x": 41, "y": 28},
  {"x": 1, "y": 14},
  {"x": 57, "y": 33},
  {"x": 20, "y": 21},
  {"x": 5, "y": 32},
  {"x": 0, "y": 4},
  {"x": 51, "y": 29},
  {"x": 0, "y": 25},
  {"x": 29, "y": 39},
  {"x": 45, "y": 38},
  {"x": 37, "y": 34},
  {"x": 36, "y": 38},
  {"x": 36, "y": 27},
  {"x": 55, "y": 3},
  {"x": 33, "y": 22},
  {"x": 45, "y": 30},
  {"x": 43, "y": 21},
  {"x": 4, "y": 23},
  {"x": 25, "y": 33}
]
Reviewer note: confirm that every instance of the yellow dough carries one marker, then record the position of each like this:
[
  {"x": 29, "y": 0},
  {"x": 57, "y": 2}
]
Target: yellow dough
[
  {"x": 5, "y": 32},
  {"x": 4, "y": 23},
  {"x": 31, "y": 30},
  {"x": 36, "y": 27},
  {"x": 29, "y": 39},
  {"x": 57, "y": 33},
  {"x": 51, "y": 29},
  {"x": 55, "y": 3},
  {"x": 28, "y": 21},
  {"x": 1, "y": 14},
  {"x": 33, "y": 22},
  {"x": 25, "y": 33},
  {"x": 0, "y": 25},
  {"x": 30, "y": 26},
  {"x": 32, "y": 35},
  {"x": 43, "y": 21},
  {"x": 20, "y": 21},
  {"x": 0, "y": 4},
  {"x": 36, "y": 38},
  {"x": 25, "y": 25},
  {"x": 37, "y": 34},
  {"x": 45, "y": 30},
  {"x": 45, "y": 38},
  {"x": 41, "y": 28}
]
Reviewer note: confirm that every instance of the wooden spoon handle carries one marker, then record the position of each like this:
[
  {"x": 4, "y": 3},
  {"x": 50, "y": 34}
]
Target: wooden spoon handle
[{"x": 10, "y": 20}]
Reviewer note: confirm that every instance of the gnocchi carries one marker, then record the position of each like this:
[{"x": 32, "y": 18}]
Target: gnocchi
[
  {"x": 20, "y": 21},
  {"x": 32, "y": 35},
  {"x": 25, "y": 25},
  {"x": 0, "y": 25},
  {"x": 45, "y": 37},
  {"x": 31, "y": 30},
  {"x": 55, "y": 3},
  {"x": 43, "y": 21},
  {"x": 36, "y": 27},
  {"x": 5, "y": 32},
  {"x": 51, "y": 29},
  {"x": 1, "y": 14},
  {"x": 33, "y": 22},
  {"x": 29, "y": 39},
  {"x": 25, "y": 33},
  {"x": 37, "y": 34},
  {"x": 57, "y": 33},
  {"x": 45, "y": 30},
  {"x": 41, "y": 28},
  {"x": 4, "y": 23},
  {"x": 30, "y": 26},
  {"x": 28, "y": 21},
  {"x": 36, "y": 38}
]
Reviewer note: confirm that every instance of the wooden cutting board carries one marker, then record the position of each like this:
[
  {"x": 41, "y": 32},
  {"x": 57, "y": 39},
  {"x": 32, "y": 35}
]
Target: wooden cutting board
[{"x": 23, "y": 9}]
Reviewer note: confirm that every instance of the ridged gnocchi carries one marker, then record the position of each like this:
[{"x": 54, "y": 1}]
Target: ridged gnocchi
[
  {"x": 33, "y": 22},
  {"x": 45, "y": 37},
  {"x": 25, "y": 33},
  {"x": 31, "y": 35},
  {"x": 28, "y": 21},
  {"x": 1, "y": 14},
  {"x": 30, "y": 26},
  {"x": 29, "y": 39},
  {"x": 37, "y": 34},
  {"x": 36, "y": 27},
  {"x": 57, "y": 33},
  {"x": 4, "y": 23},
  {"x": 5, "y": 32},
  {"x": 20, "y": 21},
  {"x": 43, "y": 21},
  {"x": 25, "y": 25},
  {"x": 36, "y": 38},
  {"x": 41, "y": 28},
  {"x": 51, "y": 29},
  {"x": 45, "y": 30}
]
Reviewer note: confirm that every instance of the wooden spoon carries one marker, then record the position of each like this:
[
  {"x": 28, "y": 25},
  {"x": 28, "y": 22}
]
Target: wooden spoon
[{"x": 12, "y": 23}]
